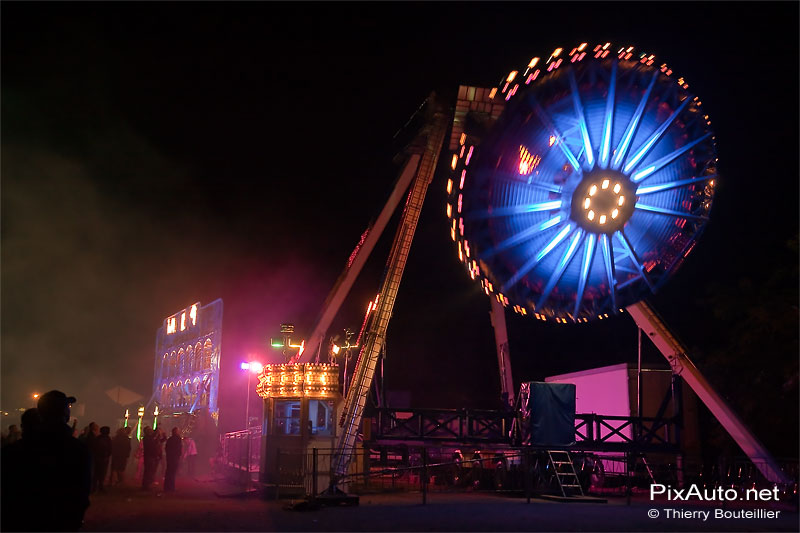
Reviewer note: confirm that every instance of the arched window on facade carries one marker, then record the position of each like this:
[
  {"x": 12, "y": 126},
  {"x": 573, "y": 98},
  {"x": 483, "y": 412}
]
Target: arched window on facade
[
  {"x": 181, "y": 362},
  {"x": 165, "y": 366},
  {"x": 198, "y": 357},
  {"x": 170, "y": 391},
  {"x": 194, "y": 388},
  {"x": 173, "y": 364},
  {"x": 204, "y": 392},
  {"x": 208, "y": 349},
  {"x": 163, "y": 400},
  {"x": 187, "y": 393},
  {"x": 189, "y": 361}
]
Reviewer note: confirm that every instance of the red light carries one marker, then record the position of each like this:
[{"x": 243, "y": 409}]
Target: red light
[{"x": 527, "y": 161}]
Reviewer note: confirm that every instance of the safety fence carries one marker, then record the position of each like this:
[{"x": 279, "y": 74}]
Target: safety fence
[
  {"x": 524, "y": 472},
  {"x": 237, "y": 445},
  {"x": 592, "y": 431}
]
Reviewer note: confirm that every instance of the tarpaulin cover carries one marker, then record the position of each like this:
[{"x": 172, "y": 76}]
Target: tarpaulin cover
[{"x": 548, "y": 413}]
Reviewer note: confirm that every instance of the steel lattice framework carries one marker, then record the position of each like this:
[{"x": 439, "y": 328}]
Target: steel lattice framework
[{"x": 590, "y": 188}]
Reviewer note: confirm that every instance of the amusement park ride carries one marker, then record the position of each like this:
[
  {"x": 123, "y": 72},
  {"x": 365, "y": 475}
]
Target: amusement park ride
[{"x": 576, "y": 187}]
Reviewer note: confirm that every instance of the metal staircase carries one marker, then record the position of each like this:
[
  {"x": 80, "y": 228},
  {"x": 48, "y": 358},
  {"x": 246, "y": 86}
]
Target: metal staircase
[
  {"x": 564, "y": 472},
  {"x": 376, "y": 336}
]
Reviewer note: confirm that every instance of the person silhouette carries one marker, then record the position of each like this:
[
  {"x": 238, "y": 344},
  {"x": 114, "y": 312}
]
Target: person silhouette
[
  {"x": 47, "y": 478},
  {"x": 173, "y": 451},
  {"x": 120, "y": 452},
  {"x": 101, "y": 452},
  {"x": 152, "y": 454}
]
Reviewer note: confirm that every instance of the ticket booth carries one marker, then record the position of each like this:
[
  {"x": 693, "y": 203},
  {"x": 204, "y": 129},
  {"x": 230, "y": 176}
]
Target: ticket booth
[{"x": 301, "y": 411}]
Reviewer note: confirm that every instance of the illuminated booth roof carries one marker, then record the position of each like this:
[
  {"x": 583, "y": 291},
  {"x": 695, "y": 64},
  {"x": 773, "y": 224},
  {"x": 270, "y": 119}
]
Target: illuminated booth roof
[{"x": 310, "y": 380}]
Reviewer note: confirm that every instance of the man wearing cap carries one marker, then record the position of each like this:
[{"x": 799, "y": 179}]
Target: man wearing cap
[{"x": 46, "y": 481}]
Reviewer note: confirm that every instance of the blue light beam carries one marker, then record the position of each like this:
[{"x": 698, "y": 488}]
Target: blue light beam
[
  {"x": 555, "y": 277},
  {"x": 514, "y": 210},
  {"x": 653, "y": 139},
  {"x": 667, "y": 159},
  {"x": 608, "y": 260},
  {"x": 671, "y": 185},
  {"x": 531, "y": 263},
  {"x": 625, "y": 143},
  {"x": 669, "y": 212},
  {"x": 576, "y": 101},
  {"x": 623, "y": 239},
  {"x": 588, "y": 257},
  {"x": 520, "y": 237},
  {"x": 605, "y": 143},
  {"x": 550, "y": 125}
]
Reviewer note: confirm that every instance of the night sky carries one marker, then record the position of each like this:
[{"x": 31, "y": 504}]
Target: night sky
[{"x": 159, "y": 154}]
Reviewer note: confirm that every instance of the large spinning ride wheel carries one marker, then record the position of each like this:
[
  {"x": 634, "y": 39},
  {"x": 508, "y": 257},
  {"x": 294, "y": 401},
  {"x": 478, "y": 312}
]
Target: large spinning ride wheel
[{"x": 590, "y": 188}]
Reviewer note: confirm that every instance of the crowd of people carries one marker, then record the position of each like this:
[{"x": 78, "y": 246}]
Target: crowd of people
[{"x": 49, "y": 463}]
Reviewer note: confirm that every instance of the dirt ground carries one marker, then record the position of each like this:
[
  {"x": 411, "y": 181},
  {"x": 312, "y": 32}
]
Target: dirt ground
[{"x": 198, "y": 506}]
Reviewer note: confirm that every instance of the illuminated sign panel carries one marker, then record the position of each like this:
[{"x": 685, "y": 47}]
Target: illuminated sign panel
[
  {"x": 188, "y": 351},
  {"x": 183, "y": 319},
  {"x": 312, "y": 380}
]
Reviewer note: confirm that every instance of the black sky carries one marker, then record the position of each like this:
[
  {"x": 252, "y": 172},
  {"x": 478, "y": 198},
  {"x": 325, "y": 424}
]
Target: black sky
[{"x": 157, "y": 154}]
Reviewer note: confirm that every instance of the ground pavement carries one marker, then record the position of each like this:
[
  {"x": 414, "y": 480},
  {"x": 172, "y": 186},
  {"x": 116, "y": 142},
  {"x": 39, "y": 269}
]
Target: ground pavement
[{"x": 195, "y": 506}]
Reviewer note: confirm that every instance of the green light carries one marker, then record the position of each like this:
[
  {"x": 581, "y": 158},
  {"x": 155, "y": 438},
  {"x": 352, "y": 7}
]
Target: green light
[{"x": 277, "y": 343}]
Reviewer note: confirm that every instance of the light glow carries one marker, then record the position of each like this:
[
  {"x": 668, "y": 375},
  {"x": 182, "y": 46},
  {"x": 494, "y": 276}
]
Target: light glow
[
  {"x": 583, "y": 118},
  {"x": 312, "y": 380},
  {"x": 622, "y": 149},
  {"x": 576, "y": 102},
  {"x": 527, "y": 162}
]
